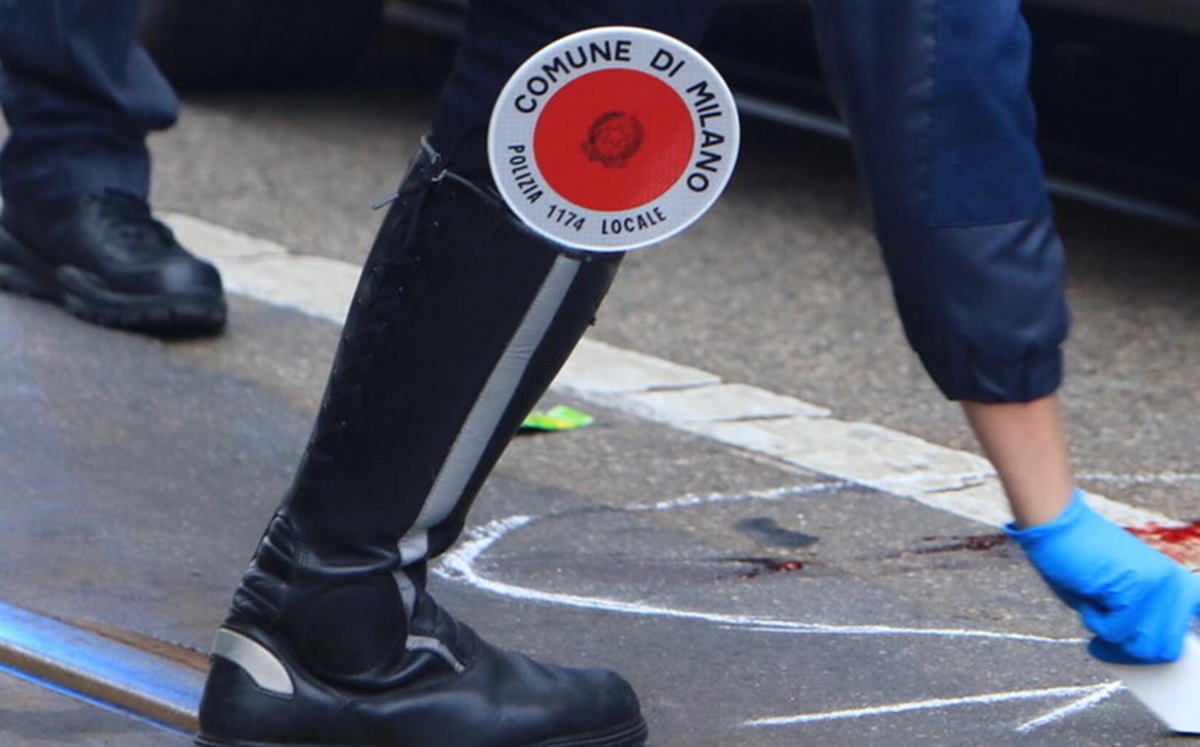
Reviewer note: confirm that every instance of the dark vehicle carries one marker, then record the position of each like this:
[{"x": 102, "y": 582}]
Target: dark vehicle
[{"x": 1117, "y": 82}]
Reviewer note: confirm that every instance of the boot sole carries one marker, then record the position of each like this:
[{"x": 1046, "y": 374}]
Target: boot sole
[
  {"x": 24, "y": 274},
  {"x": 193, "y": 313},
  {"x": 633, "y": 735}
]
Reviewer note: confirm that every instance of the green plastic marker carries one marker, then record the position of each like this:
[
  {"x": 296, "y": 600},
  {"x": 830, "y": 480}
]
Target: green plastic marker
[{"x": 560, "y": 418}]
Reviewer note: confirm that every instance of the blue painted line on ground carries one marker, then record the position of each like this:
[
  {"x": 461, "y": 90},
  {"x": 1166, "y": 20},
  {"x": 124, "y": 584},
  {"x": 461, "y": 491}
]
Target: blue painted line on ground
[{"x": 98, "y": 669}]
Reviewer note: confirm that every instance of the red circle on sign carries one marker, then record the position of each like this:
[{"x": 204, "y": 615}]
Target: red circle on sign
[{"x": 614, "y": 140}]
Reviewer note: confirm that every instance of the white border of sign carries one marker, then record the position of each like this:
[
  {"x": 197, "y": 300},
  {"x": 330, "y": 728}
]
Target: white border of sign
[{"x": 539, "y": 206}]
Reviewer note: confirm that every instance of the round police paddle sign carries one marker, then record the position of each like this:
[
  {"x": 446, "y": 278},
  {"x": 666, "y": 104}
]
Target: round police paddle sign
[{"x": 613, "y": 138}]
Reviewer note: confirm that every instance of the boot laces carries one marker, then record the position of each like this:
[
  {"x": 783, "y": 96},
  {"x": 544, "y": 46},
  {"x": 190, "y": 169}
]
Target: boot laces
[
  {"x": 130, "y": 218},
  {"x": 389, "y": 277}
]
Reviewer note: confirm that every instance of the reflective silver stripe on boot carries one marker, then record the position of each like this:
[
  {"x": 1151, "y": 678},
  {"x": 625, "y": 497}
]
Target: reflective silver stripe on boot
[
  {"x": 434, "y": 646},
  {"x": 485, "y": 414},
  {"x": 407, "y": 589},
  {"x": 262, "y": 666}
]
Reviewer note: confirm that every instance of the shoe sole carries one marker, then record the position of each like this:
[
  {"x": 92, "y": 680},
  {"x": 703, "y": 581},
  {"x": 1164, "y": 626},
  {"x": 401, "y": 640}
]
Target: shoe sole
[
  {"x": 633, "y": 735},
  {"x": 23, "y": 273}
]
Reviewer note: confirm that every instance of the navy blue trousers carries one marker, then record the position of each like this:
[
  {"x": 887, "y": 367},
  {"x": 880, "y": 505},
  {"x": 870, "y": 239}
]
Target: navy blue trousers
[
  {"x": 936, "y": 96},
  {"x": 502, "y": 34},
  {"x": 79, "y": 96},
  {"x": 935, "y": 93}
]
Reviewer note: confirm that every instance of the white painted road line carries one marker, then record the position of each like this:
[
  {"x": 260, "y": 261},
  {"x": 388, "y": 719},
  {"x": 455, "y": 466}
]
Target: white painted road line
[{"x": 790, "y": 430}]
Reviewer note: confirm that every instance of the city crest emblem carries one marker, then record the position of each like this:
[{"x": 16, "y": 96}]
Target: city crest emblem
[{"x": 613, "y": 139}]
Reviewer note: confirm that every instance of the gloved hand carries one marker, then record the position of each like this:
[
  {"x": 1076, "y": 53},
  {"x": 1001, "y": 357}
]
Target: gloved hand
[{"x": 1138, "y": 602}]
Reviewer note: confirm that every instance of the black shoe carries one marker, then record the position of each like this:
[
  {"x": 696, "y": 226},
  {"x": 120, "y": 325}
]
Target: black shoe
[
  {"x": 447, "y": 688},
  {"x": 106, "y": 260}
]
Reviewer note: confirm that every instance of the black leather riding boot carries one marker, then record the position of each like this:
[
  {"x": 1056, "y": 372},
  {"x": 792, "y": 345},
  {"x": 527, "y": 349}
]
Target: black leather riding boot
[{"x": 460, "y": 322}]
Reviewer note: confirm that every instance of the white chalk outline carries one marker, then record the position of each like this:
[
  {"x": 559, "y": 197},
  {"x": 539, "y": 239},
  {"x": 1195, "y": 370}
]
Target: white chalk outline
[
  {"x": 1092, "y": 694},
  {"x": 931, "y": 704},
  {"x": 460, "y": 565},
  {"x": 1099, "y": 693}
]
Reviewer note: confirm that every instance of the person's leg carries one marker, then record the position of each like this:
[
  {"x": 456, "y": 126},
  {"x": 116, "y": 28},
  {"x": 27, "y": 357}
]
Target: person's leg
[
  {"x": 460, "y": 322},
  {"x": 936, "y": 96},
  {"x": 80, "y": 96},
  {"x": 935, "y": 93},
  {"x": 484, "y": 64}
]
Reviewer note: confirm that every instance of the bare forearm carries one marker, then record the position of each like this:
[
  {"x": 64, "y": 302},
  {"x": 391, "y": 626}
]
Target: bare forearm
[{"x": 1026, "y": 443}]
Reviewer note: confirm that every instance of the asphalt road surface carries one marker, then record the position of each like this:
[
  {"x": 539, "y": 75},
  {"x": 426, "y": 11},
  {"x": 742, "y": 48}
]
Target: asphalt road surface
[{"x": 755, "y": 594}]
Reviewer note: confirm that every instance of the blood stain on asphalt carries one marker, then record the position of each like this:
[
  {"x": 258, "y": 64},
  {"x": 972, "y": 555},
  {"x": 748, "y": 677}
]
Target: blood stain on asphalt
[
  {"x": 768, "y": 565},
  {"x": 1181, "y": 543},
  {"x": 969, "y": 543}
]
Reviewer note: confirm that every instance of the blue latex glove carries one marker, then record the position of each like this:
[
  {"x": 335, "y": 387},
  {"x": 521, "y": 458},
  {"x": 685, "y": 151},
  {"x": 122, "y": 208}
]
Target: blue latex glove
[{"x": 1138, "y": 602}]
